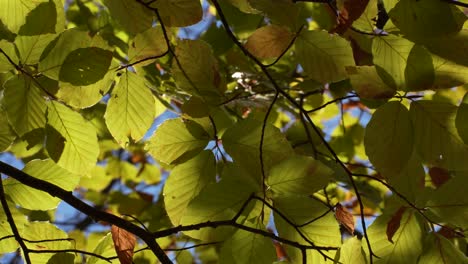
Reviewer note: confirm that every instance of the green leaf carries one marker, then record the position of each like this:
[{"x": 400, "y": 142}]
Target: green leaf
[
  {"x": 460, "y": 120},
  {"x": 366, "y": 22},
  {"x": 71, "y": 140},
  {"x": 9, "y": 50},
  {"x": 133, "y": 16},
  {"x": 283, "y": 12},
  {"x": 352, "y": 252},
  {"x": 200, "y": 67},
  {"x": 82, "y": 96},
  {"x": 24, "y": 104},
  {"x": 442, "y": 146},
  {"x": 418, "y": 19},
  {"x": 407, "y": 241},
  {"x": 7, "y": 135},
  {"x": 85, "y": 66},
  {"x": 46, "y": 170},
  {"x": 457, "y": 52},
  {"x": 179, "y": 13},
  {"x": 51, "y": 238},
  {"x": 410, "y": 181},
  {"x": 177, "y": 140},
  {"x": 391, "y": 55},
  {"x": 217, "y": 202},
  {"x": 130, "y": 110},
  {"x": 61, "y": 258},
  {"x": 30, "y": 48},
  {"x": 269, "y": 41},
  {"x": 389, "y": 138},
  {"x": 368, "y": 84},
  {"x": 251, "y": 248},
  {"x": 448, "y": 74},
  {"x": 299, "y": 175},
  {"x": 242, "y": 143},
  {"x": 186, "y": 181},
  {"x": 314, "y": 223},
  {"x": 324, "y": 56},
  {"x": 149, "y": 43},
  {"x": 449, "y": 203},
  {"x": 419, "y": 71},
  {"x": 47, "y": 17},
  {"x": 77, "y": 58},
  {"x": 10, "y": 244},
  {"x": 14, "y": 13},
  {"x": 104, "y": 248},
  {"x": 438, "y": 249}
]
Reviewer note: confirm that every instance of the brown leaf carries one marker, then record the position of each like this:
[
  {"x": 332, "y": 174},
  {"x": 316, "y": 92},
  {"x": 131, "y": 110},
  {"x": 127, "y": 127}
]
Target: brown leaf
[
  {"x": 269, "y": 41},
  {"x": 351, "y": 10},
  {"x": 124, "y": 244},
  {"x": 345, "y": 218},
  {"x": 450, "y": 233},
  {"x": 394, "y": 223},
  {"x": 439, "y": 176}
]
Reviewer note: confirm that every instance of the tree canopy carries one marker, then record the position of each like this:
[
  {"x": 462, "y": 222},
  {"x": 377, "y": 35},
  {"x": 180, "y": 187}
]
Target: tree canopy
[{"x": 233, "y": 131}]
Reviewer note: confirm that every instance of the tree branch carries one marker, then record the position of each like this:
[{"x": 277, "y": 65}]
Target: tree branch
[
  {"x": 11, "y": 221},
  {"x": 68, "y": 197}
]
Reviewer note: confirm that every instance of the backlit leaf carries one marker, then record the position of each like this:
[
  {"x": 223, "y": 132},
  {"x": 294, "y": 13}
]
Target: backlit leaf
[
  {"x": 77, "y": 58},
  {"x": 407, "y": 240},
  {"x": 298, "y": 175},
  {"x": 439, "y": 250},
  {"x": 149, "y": 43},
  {"x": 176, "y": 140},
  {"x": 7, "y": 135},
  {"x": 242, "y": 143},
  {"x": 391, "y": 55},
  {"x": 394, "y": 224},
  {"x": 460, "y": 120},
  {"x": 389, "y": 138},
  {"x": 30, "y": 48},
  {"x": 9, "y": 49},
  {"x": 351, "y": 252},
  {"x": 24, "y": 104},
  {"x": 269, "y": 41},
  {"x": 324, "y": 56},
  {"x": 179, "y": 13},
  {"x": 71, "y": 140},
  {"x": 131, "y": 15},
  {"x": 124, "y": 243},
  {"x": 130, "y": 110},
  {"x": 186, "y": 181},
  {"x": 368, "y": 84},
  {"x": 443, "y": 145},
  {"x": 33, "y": 199},
  {"x": 13, "y": 13}
]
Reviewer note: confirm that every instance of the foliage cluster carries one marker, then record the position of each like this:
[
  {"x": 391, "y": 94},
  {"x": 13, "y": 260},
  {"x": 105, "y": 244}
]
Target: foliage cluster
[{"x": 279, "y": 123}]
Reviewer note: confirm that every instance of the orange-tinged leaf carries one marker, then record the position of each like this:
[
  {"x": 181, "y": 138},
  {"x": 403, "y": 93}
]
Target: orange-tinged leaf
[
  {"x": 350, "y": 11},
  {"x": 269, "y": 41},
  {"x": 439, "y": 176},
  {"x": 124, "y": 243},
  {"x": 345, "y": 218},
  {"x": 394, "y": 223}
]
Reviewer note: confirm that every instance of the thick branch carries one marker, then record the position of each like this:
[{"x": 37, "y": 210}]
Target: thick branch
[{"x": 68, "y": 197}]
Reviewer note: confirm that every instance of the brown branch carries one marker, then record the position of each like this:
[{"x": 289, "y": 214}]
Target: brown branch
[
  {"x": 142, "y": 60},
  {"x": 68, "y": 197},
  {"x": 12, "y": 224}
]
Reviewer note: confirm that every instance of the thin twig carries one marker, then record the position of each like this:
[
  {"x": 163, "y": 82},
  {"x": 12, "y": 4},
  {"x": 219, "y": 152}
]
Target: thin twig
[{"x": 12, "y": 224}]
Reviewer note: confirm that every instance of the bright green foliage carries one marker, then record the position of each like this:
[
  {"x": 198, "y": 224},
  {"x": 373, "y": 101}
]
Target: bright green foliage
[
  {"x": 234, "y": 131},
  {"x": 32, "y": 199},
  {"x": 298, "y": 175},
  {"x": 130, "y": 110},
  {"x": 71, "y": 140},
  {"x": 324, "y": 57},
  {"x": 177, "y": 139},
  {"x": 389, "y": 138}
]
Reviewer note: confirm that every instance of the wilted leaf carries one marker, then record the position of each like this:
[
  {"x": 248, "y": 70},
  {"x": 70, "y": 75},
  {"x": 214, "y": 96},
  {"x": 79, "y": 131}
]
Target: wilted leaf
[
  {"x": 394, "y": 223},
  {"x": 124, "y": 243},
  {"x": 439, "y": 176},
  {"x": 345, "y": 218}
]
